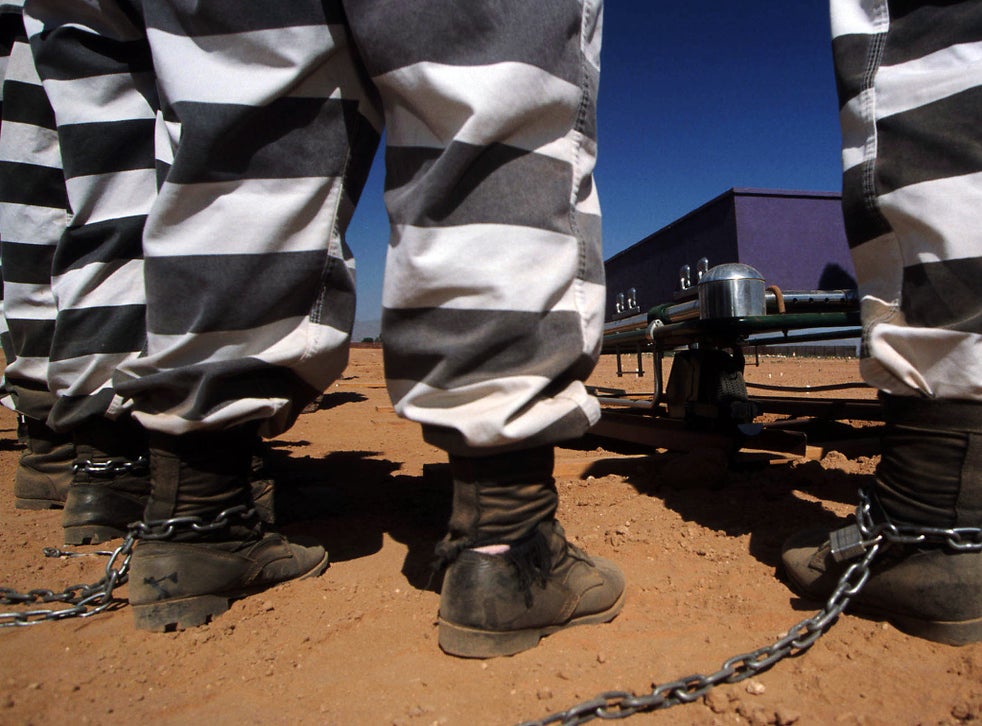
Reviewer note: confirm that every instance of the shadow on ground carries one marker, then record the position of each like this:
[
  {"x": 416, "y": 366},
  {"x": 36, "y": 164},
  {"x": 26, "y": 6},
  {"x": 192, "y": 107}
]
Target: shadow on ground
[
  {"x": 348, "y": 500},
  {"x": 768, "y": 501}
]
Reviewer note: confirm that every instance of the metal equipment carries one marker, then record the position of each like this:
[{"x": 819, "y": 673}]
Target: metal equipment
[{"x": 716, "y": 316}]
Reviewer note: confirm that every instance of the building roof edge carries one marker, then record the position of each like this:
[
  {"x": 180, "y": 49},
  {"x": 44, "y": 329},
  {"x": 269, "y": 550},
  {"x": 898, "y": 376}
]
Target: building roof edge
[{"x": 731, "y": 192}]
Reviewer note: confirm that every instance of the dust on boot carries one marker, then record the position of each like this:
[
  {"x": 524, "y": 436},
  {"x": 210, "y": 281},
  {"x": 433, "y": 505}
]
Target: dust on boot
[
  {"x": 45, "y": 469},
  {"x": 511, "y": 576},
  {"x": 111, "y": 481},
  {"x": 191, "y": 576},
  {"x": 930, "y": 475}
]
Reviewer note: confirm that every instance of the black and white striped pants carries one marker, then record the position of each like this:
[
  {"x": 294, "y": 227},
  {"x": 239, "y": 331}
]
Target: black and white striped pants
[
  {"x": 909, "y": 76},
  {"x": 265, "y": 117},
  {"x": 32, "y": 218}
]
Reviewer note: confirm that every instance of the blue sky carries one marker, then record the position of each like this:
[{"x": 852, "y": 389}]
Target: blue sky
[{"x": 696, "y": 97}]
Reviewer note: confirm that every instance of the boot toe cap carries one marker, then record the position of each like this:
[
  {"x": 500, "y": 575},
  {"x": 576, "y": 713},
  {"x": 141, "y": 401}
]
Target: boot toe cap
[
  {"x": 606, "y": 593},
  {"x": 807, "y": 564}
]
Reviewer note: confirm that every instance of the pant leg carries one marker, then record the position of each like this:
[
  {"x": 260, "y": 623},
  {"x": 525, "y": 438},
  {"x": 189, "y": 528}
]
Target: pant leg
[
  {"x": 96, "y": 71},
  {"x": 250, "y": 286},
  {"x": 909, "y": 76},
  {"x": 493, "y": 298},
  {"x": 11, "y": 26},
  {"x": 33, "y": 204}
]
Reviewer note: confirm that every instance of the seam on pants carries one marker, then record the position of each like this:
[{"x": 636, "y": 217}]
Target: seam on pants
[
  {"x": 316, "y": 312},
  {"x": 578, "y": 177},
  {"x": 874, "y": 59}
]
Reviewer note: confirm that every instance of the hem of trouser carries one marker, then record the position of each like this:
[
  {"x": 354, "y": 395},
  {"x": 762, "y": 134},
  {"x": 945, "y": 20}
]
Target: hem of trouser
[
  {"x": 31, "y": 402},
  {"x": 572, "y": 426},
  {"x": 934, "y": 413},
  {"x": 69, "y": 412}
]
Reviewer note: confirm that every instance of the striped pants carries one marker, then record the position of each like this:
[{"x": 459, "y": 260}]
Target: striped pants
[
  {"x": 32, "y": 218},
  {"x": 11, "y": 29},
  {"x": 909, "y": 76},
  {"x": 263, "y": 119}
]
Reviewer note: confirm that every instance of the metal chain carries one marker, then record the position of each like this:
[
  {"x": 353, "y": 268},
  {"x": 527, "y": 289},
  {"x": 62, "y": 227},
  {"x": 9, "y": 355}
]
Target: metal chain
[
  {"x": 621, "y": 704},
  {"x": 86, "y": 600},
  {"x": 54, "y": 552},
  {"x": 111, "y": 468},
  {"x": 960, "y": 539}
]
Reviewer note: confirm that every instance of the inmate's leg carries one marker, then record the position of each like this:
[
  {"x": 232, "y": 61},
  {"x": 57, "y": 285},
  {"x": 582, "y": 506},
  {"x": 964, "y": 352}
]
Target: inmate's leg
[
  {"x": 32, "y": 217},
  {"x": 97, "y": 76},
  {"x": 493, "y": 297},
  {"x": 910, "y": 82},
  {"x": 250, "y": 290},
  {"x": 11, "y": 26},
  {"x": 250, "y": 286}
]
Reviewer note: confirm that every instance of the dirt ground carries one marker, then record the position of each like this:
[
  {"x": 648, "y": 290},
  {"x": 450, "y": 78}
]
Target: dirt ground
[{"x": 697, "y": 537}]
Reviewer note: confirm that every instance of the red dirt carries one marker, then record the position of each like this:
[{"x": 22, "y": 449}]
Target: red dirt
[{"x": 698, "y": 541}]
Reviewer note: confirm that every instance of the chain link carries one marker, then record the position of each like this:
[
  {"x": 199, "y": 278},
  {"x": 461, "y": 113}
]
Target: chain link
[
  {"x": 86, "y": 600},
  {"x": 54, "y": 552},
  {"x": 875, "y": 537},
  {"x": 960, "y": 539},
  {"x": 110, "y": 468}
]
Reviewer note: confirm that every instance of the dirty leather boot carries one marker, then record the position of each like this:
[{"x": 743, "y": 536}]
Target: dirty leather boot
[
  {"x": 930, "y": 475},
  {"x": 190, "y": 577},
  {"x": 111, "y": 481},
  {"x": 502, "y": 604},
  {"x": 45, "y": 469}
]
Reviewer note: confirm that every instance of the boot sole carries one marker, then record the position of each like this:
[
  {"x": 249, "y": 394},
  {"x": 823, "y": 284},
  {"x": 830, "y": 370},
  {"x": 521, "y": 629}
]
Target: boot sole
[
  {"x": 949, "y": 632},
  {"x": 91, "y": 534},
  {"x": 190, "y": 612},
  {"x": 37, "y": 504},
  {"x": 466, "y": 642}
]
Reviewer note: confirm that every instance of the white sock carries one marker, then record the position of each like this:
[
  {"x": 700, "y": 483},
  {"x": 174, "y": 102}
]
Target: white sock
[{"x": 495, "y": 549}]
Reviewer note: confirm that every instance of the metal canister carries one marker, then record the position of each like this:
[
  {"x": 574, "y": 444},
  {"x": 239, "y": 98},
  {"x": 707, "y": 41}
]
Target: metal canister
[{"x": 731, "y": 290}]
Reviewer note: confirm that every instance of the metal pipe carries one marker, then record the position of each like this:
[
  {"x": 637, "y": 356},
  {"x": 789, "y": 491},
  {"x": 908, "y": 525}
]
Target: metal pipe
[
  {"x": 793, "y": 300},
  {"x": 640, "y": 328},
  {"x": 635, "y": 321},
  {"x": 688, "y": 310},
  {"x": 811, "y": 298},
  {"x": 626, "y": 402}
]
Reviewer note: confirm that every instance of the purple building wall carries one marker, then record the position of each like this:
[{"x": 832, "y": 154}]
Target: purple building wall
[{"x": 795, "y": 239}]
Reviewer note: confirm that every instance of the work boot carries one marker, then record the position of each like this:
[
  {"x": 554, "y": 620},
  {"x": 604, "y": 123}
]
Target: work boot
[
  {"x": 45, "y": 469},
  {"x": 190, "y": 577},
  {"x": 111, "y": 481},
  {"x": 511, "y": 577},
  {"x": 930, "y": 475},
  {"x": 262, "y": 482}
]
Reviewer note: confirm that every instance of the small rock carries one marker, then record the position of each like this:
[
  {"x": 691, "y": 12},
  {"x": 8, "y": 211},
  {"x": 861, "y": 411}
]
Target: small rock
[
  {"x": 786, "y": 716},
  {"x": 755, "y": 688},
  {"x": 756, "y": 715},
  {"x": 716, "y": 701},
  {"x": 963, "y": 712}
]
